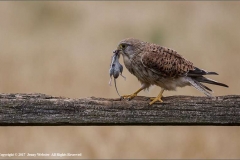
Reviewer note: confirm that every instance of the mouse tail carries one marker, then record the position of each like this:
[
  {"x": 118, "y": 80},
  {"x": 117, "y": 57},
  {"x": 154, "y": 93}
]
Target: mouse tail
[{"x": 116, "y": 87}]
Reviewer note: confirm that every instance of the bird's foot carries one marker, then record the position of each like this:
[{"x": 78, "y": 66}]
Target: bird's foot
[
  {"x": 153, "y": 100},
  {"x": 129, "y": 97}
]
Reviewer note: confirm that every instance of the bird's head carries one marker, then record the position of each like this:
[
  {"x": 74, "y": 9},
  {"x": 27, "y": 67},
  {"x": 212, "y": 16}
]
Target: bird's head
[{"x": 129, "y": 47}]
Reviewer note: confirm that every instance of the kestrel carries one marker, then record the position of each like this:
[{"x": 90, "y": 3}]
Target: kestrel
[{"x": 153, "y": 64}]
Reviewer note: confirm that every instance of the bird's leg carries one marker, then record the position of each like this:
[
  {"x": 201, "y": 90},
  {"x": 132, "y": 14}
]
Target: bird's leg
[
  {"x": 158, "y": 98},
  {"x": 131, "y": 96}
]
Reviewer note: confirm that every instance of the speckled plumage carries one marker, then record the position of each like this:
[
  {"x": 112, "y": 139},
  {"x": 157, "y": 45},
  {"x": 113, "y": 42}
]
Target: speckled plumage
[
  {"x": 164, "y": 61},
  {"x": 153, "y": 64}
]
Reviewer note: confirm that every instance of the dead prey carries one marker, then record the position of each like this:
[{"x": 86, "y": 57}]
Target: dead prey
[{"x": 116, "y": 69}]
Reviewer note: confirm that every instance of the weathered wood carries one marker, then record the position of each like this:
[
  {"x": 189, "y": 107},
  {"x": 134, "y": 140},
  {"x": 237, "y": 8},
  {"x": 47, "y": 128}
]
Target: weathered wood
[{"x": 40, "y": 109}]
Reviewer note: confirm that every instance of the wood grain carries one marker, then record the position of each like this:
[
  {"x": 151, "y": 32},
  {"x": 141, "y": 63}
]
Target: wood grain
[{"x": 44, "y": 110}]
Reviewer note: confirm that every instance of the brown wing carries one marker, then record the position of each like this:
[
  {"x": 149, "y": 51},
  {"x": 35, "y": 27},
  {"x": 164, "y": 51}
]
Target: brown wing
[{"x": 166, "y": 62}]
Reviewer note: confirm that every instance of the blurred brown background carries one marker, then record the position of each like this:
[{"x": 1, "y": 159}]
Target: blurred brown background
[{"x": 64, "y": 49}]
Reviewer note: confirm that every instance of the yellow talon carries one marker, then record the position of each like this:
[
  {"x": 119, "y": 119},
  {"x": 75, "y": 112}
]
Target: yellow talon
[
  {"x": 130, "y": 96},
  {"x": 152, "y": 98},
  {"x": 158, "y": 98},
  {"x": 155, "y": 100}
]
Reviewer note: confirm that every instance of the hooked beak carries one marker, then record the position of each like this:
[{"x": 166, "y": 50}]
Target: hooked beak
[
  {"x": 119, "y": 51},
  {"x": 116, "y": 51}
]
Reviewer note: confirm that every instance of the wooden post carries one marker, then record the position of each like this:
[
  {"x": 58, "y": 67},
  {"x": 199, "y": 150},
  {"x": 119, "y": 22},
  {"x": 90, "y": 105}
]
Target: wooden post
[{"x": 44, "y": 110}]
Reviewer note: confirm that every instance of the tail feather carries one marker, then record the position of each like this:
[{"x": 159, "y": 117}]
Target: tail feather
[
  {"x": 206, "y": 87},
  {"x": 210, "y": 81},
  {"x": 212, "y": 73},
  {"x": 199, "y": 72},
  {"x": 196, "y": 77},
  {"x": 199, "y": 86}
]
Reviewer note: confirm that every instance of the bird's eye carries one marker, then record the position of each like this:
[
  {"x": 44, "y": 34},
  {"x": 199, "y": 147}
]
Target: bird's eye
[{"x": 123, "y": 46}]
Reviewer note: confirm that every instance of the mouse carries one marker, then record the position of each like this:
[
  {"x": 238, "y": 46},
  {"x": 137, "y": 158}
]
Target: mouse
[{"x": 116, "y": 69}]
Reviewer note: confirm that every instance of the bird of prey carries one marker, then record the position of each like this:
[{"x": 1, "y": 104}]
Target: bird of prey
[{"x": 153, "y": 64}]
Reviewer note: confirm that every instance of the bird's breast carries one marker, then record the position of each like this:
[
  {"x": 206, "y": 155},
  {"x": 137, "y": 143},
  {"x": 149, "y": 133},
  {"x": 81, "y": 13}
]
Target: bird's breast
[
  {"x": 135, "y": 67},
  {"x": 128, "y": 64}
]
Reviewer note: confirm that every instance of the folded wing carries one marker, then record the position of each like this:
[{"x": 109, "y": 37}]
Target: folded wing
[{"x": 166, "y": 62}]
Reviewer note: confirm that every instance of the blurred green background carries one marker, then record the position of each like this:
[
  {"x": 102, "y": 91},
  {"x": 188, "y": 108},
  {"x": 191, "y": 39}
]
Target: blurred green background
[{"x": 64, "y": 49}]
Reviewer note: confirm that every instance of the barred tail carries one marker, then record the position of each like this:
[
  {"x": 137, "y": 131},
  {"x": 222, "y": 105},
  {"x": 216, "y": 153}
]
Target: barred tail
[
  {"x": 207, "y": 91},
  {"x": 196, "y": 77}
]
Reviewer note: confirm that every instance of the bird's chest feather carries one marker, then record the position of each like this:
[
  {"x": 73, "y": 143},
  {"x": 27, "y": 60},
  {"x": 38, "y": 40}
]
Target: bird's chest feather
[
  {"x": 136, "y": 68},
  {"x": 128, "y": 64}
]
